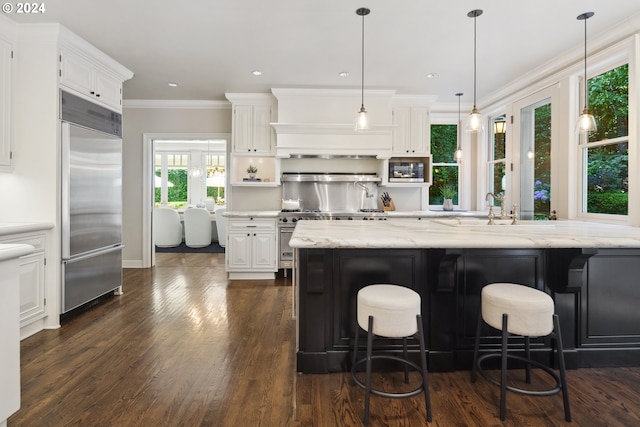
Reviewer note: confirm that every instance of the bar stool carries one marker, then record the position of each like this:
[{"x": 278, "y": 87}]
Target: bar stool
[
  {"x": 528, "y": 312},
  {"x": 390, "y": 311}
]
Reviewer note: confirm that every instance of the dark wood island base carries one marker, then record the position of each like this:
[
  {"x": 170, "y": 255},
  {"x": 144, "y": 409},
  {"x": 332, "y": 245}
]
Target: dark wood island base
[{"x": 596, "y": 294}]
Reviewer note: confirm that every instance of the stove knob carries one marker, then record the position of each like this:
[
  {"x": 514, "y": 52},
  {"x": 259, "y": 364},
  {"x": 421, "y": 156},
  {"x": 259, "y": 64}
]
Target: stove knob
[
  {"x": 294, "y": 220},
  {"x": 365, "y": 218},
  {"x": 338, "y": 219},
  {"x": 285, "y": 220},
  {"x": 350, "y": 218}
]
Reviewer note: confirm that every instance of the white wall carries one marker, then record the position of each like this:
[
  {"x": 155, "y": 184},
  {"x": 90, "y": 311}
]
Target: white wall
[{"x": 162, "y": 117}]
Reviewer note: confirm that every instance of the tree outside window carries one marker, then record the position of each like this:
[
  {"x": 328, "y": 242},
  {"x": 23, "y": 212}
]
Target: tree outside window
[
  {"x": 444, "y": 141},
  {"x": 605, "y": 153}
]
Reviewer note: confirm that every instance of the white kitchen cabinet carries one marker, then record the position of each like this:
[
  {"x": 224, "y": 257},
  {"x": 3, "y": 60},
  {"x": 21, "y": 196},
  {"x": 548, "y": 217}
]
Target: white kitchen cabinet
[
  {"x": 32, "y": 276},
  {"x": 251, "y": 123},
  {"x": 251, "y": 248},
  {"x": 6, "y": 125},
  {"x": 88, "y": 79},
  {"x": 411, "y": 135}
]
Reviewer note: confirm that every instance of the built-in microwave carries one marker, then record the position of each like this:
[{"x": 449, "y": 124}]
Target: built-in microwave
[{"x": 406, "y": 171}]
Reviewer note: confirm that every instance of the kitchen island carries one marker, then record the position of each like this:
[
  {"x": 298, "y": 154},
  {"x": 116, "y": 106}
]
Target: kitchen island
[{"x": 591, "y": 270}]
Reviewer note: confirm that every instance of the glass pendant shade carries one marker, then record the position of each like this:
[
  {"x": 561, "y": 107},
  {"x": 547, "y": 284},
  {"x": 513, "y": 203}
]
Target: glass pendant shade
[
  {"x": 475, "y": 121},
  {"x": 587, "y": 122},
  {"x": 362, "y": 122}
]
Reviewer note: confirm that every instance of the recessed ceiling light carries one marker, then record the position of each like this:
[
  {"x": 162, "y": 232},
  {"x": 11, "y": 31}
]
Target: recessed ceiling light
[
  {"x": 431, "y": 75},
  {"x": 343, "y": 74},
  {"x": 256, "y": 72},
  {"x": 173, "y": 84}
]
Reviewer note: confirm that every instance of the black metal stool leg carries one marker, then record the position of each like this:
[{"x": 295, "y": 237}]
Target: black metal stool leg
[
  {"x": 527, "y": 355},
  {"x": 563, "y": 377},
  {"x": 355, "y": 351},
  {"x": 425, "y": 372},
  {"x": 406, "y": 357},
  {"x": 503, "y": 368},
  {"x": 476, "y": 348},
  {"x": 367, "y": 390}
]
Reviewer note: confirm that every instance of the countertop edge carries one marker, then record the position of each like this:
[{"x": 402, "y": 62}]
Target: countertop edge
[
  {"x": 247, "y": 214},
  {"x": 8, "y": 228}
]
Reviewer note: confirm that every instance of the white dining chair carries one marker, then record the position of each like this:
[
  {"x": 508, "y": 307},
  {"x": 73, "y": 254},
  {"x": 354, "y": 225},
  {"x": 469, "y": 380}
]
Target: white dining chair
[
  {"x": 197, "y": 227},
  {"x": 167, "y": 228},
  {"x": 221, "y": 225}
]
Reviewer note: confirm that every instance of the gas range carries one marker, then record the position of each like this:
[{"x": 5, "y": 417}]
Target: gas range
[{"x": 291, "y": 217}]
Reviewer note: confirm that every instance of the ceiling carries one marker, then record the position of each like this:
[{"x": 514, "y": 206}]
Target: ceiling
[{"x": 209, "y": 47}]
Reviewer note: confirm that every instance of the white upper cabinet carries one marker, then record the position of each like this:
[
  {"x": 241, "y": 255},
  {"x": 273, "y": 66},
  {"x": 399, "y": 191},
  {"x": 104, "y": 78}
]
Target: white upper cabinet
[
  {"x": 411, "y": 134},
  {"x": 251, "y": 129},
  {"x": 88, "y": 79},
  {"x": 6, "y": 122}
]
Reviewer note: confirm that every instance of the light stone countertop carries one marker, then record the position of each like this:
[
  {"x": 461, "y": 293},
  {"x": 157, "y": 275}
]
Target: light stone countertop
[
  {"x": 462, "y": 233},
  {"x": 248, "y": 214},
  {"x": 8, "y": 228},
  {"x": 435, "y": 214}
]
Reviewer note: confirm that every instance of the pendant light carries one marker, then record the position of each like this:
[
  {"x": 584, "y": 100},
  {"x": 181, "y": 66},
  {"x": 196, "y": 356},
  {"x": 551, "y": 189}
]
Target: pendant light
[
  {"x": 362, "y": 123},
  {"x": 586, "y": 121},
  {"x": 475, "y": 122},
  {"x": 458, "y": 154}
]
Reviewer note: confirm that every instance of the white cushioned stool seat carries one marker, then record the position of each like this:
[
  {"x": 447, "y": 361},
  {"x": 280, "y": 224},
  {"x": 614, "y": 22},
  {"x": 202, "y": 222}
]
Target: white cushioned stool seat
[
  {"x": 530, "y": 310},
  {"x": 394, "y": 309}
]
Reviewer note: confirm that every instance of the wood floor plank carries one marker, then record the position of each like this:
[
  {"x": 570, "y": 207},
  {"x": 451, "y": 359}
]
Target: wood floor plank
[{"x": 185, "y": 347}]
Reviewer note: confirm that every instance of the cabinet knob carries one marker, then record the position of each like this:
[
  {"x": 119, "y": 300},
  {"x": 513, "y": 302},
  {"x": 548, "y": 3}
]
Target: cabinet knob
[
  {"x": 98, "y": 95},
  {"x": 92, "y": 93}
]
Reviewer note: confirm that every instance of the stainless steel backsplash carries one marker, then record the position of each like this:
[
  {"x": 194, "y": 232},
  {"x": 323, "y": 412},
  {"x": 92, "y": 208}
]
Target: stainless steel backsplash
[{"x": 346, "y": 195}]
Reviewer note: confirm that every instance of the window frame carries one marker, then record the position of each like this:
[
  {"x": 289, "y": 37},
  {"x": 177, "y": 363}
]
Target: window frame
[
  {"x": 583, "y": 145},
  {"x": 462, "y": 189}
]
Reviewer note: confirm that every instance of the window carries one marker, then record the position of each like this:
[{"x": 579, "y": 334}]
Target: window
[
  {"x": 171, "y": 186},
  {"x": 605, "y": 162},
  {"x": 497, "y": 163},
  {"x": 216, "y": 177},
  {"x": 444, "y": 141}
]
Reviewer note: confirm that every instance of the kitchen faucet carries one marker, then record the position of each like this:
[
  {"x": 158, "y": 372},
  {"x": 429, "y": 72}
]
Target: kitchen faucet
[
  {"x": 367, "y": 194},
  {"x": 491, "y": 215}
]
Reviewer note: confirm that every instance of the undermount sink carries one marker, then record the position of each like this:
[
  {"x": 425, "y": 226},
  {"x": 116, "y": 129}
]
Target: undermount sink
[{"x": 484, "y": 222}]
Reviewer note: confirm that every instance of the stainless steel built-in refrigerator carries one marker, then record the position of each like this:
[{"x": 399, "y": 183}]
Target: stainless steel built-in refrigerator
[{"x": 91, "y": 160}]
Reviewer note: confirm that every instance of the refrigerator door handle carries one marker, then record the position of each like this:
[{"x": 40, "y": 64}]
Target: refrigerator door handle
[{"x": 92, "y": 254}]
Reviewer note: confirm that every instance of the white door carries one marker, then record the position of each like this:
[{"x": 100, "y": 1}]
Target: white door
[{"x": 533, "y": 137}]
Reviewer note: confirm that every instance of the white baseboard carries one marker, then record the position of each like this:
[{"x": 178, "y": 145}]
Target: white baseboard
[{"x": 132, "y": 263}]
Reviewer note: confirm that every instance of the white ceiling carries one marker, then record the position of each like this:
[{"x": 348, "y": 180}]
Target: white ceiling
[{"x": 210, "y": 47}]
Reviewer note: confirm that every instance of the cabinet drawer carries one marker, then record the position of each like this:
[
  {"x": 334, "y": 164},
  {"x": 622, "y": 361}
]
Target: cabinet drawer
[
  {"x": 36, "y": 241},
  {"x": 244, "y": 225}
]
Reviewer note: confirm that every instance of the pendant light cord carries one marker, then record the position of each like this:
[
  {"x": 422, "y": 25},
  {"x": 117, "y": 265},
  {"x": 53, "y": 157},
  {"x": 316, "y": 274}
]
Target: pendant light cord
[
  {"x": 362, "y": 66},
  {"x": 475, "y": 43},
  {"x": 586, "y": 95}
]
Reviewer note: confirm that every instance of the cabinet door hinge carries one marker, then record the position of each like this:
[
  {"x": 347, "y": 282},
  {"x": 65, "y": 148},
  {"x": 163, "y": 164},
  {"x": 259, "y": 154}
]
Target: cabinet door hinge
[
  {"x": 10, "y": 155},
  {"x": 45, "y": 261},
  {"x": 45, "y": 301},
  {"x": 512, "y": 119},
  {"x": 11, "y": 54}
]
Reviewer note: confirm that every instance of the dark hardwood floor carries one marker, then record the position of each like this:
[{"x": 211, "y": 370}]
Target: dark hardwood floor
[{"x": 185, "y": 347}]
